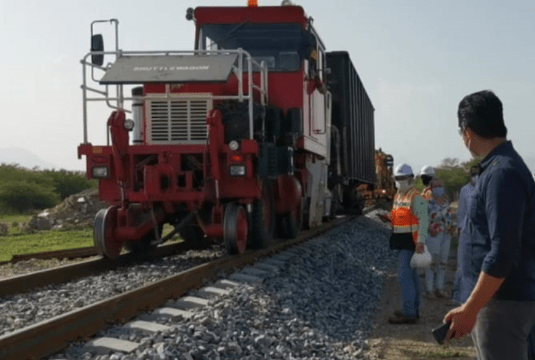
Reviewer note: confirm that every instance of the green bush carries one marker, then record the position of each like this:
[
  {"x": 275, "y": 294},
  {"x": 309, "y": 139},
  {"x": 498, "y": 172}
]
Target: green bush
[
  {"x": 22, "y": 196},
  {"x": 68, "y": 183},
  {"x": 23, "y": 190},
  {"x": 454, "y": 179},
  {"x": 13, "y": 172}
]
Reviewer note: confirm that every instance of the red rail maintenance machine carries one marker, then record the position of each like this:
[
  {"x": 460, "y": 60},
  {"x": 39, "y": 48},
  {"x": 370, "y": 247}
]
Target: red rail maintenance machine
[{"x": 231, "y": 140}]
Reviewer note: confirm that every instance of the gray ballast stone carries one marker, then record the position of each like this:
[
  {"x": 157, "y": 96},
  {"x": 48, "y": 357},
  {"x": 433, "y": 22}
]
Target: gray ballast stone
[
  {"x": 106, "y": 344},
  {"x": 150, "y": 327},
  {"x": 255, "y": 272},
  {"x": 173, "y": 313},
  {"x": 317, "y": 241},
  {"x": 25, "y": 309},
  {"x": 273, "y": 262},
  {"x": 246, "y": 278},
  {"x": 211, "y": 292},
  {"x": 272, "y": 269},
  {"x": 284, "y": 257},
  {"x": 190, "y": 302},
  {"x": 295, "y": 250},
  {"x": 226, "y": 284}
]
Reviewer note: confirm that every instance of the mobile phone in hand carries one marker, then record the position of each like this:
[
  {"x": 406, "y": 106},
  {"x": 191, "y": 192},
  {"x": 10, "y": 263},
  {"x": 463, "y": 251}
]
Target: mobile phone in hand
[{"x": 440, "y": 333}]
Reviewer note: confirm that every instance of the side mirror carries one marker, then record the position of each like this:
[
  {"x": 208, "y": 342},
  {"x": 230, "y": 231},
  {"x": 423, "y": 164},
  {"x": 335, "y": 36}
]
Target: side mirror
[
  {"x": 97, "y": 44},
  {"x": 189, "y": 14}
]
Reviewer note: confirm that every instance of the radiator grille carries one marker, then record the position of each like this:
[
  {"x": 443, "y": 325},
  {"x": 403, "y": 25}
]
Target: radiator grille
[{"x": 181, "y": 120}]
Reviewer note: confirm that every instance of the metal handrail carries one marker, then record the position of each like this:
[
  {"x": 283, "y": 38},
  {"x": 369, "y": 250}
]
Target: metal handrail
[{"x": 120, "y": 99}]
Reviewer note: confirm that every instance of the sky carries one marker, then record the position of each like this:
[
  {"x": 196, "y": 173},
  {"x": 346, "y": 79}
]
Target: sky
[{"x": 416, "y": 58}]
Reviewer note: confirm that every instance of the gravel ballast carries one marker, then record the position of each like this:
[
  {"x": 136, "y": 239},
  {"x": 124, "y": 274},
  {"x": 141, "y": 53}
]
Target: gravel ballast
[
  {"x": 26, "y": 309},
  {"x": 319, "y": 305}
]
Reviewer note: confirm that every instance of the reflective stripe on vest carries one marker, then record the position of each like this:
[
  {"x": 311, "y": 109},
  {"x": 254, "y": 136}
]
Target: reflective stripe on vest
[{"x": 403, "y": 221}]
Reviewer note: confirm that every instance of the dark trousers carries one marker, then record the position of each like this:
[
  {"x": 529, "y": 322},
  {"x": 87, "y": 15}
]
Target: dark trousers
[
  {"x": 502, "y": 329},
  {"x": 531, "y": 344}
]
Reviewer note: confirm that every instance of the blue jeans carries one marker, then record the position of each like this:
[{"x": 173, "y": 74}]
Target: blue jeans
[
  {"x": 439, "y": 247},
  {"x": 410, "y": 284}
]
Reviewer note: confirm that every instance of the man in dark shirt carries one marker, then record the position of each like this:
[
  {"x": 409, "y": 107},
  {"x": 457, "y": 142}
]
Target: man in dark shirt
[
  {"x": 498, "y": 240},
  {"x": 464, "y": 198}
]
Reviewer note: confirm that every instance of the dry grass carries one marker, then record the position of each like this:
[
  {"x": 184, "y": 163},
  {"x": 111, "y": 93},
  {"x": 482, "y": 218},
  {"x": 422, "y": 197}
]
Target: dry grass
[{"x": 410, "y": 342}]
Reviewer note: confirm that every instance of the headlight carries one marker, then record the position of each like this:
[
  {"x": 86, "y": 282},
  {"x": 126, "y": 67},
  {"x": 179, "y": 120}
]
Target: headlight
[
  {"x": 237, "y": 170},
  {"x": 100, "y": 172},
  {"x": 233, "y": 145},
  {"x": 129, "y": 125}
]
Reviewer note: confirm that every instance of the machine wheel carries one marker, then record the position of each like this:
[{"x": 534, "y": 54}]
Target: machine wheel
[
  {"x": 306, "y": 214},
  {"x": 353, "y": 201},
  {"x": 336, "y": 204},
  {"x": 143, "y": 245},
  {"x": 235, "y": 228},
  {"x": 289, "y": 224},
  {"x": 263, "y": 219},
  {"x": 360, "y": 204},
  {"x": 105, "y": 242}
]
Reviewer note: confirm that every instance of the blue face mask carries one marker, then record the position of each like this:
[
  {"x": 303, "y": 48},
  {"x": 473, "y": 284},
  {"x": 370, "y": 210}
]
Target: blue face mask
[
  {"x": 474, "y": 179},
  {"x": 438, "y": 191}
]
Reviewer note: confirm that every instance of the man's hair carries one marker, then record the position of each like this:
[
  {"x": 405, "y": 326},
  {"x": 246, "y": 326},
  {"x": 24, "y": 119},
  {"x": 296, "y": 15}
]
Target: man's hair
[
  {"x": 476, "y": 168},
  {"x": 483, "y": 113}
]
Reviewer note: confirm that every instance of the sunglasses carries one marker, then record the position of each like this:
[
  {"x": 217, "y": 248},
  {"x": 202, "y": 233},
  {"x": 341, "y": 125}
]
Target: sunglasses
[{"x": 401, "y": 178}]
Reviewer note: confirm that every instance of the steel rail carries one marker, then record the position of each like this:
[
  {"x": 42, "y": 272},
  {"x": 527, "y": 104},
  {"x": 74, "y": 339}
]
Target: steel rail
[
  {"x": 61, "y": 274},
  {"x": 57, "y": 254},
  {"x": 50, "y": 336}
]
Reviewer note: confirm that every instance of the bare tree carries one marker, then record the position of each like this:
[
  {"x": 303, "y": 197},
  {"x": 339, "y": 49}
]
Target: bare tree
[{"x": 449, "y": 164}]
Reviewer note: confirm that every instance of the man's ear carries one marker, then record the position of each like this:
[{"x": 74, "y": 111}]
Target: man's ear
[{"x": 469, "y": 133}]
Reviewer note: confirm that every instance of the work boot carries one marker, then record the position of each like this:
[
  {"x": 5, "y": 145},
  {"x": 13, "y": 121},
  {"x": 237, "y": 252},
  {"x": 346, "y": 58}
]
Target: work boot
[
  {"x": 400, "y": 318},
  {"x": 441, "y": 294}
]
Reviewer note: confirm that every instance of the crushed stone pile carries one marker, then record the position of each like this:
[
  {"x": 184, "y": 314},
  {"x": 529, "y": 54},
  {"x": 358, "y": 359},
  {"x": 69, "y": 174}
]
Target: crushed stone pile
[{"x": 76, "y": 210}]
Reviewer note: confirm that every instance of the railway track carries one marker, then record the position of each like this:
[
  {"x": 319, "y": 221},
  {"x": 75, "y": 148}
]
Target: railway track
[
  {"x": 83, "y": 252},
  {"x": 62, "y": 274},
  {"x": 58, "y": 254},
  {"x": 50, "y": 336}
]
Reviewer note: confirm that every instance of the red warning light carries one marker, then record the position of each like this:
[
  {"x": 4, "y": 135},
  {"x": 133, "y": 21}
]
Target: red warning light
[
  {"x": 252, "y": 3},
  {"x": 237, "y": 158}
]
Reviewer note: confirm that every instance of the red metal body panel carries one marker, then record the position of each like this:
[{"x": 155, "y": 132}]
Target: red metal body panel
[
  {"x": 285, "y": 88},
  {"x": 263, "y": 14},
  {"x": 169, "y": 165}
]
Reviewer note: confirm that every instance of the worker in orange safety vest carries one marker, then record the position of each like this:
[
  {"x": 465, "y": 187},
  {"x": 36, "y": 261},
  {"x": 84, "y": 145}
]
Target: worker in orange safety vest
[
  {"x": 409, "y": 232},
  {"x": 427, "y": 174}
]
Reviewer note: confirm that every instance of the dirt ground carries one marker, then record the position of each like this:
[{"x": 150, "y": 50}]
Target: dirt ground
[{"x": 409, "y": 342}]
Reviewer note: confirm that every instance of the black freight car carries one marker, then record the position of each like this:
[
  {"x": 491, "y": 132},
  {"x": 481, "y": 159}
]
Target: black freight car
[{"x": 353, "y": 136}]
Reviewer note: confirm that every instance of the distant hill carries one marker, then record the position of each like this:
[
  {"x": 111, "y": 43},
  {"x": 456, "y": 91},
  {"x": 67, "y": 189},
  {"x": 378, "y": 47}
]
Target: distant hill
[{"x": 24, "y": 158}]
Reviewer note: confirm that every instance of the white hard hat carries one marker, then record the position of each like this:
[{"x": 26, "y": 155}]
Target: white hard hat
[
  {"x": 427, "y": 170},
  {"x": 403, "y": 170}
]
